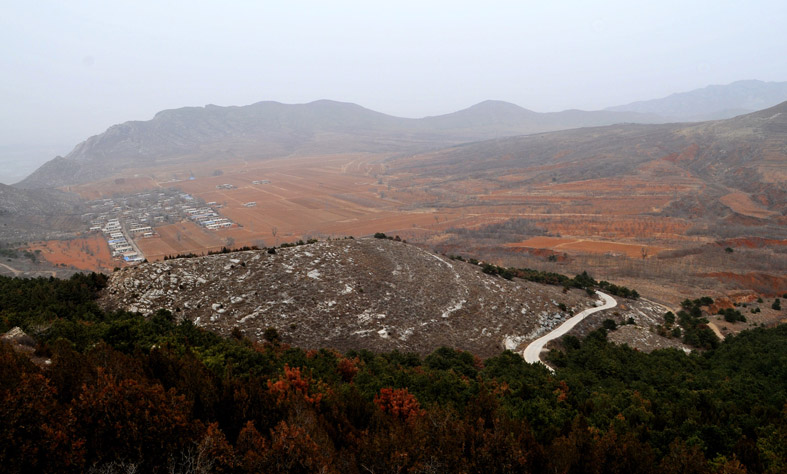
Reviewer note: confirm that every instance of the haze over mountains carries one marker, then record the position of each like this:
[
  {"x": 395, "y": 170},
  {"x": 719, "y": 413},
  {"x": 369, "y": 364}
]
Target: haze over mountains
[
  {"x": 718, "y": 150},
  {"x": 745, "y": 152},
  {"x": 712, "y": 102},
  {"x": 268, "y": 129}
]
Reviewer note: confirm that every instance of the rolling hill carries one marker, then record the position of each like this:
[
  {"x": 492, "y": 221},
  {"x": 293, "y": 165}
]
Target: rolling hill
[{"x": 743, "y": 156}]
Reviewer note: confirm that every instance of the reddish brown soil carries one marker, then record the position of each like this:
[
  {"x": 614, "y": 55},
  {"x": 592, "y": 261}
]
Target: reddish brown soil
[
  {"x": 726, "y": 302},
  {"x": 763, "y": 283},
  {"x": 181, "y": 238},
  {"x": 745, "y": 205},
  {"x": 603, "y": 224},
  {"x": 591, "y": 246},
  {"x": 752, "y": 243},
  {"x": 356, "y": 195},
  {"x": 545, "y": 253},
  {"x": 88, "y": 253},
  {"x": 306, "y": 196}
]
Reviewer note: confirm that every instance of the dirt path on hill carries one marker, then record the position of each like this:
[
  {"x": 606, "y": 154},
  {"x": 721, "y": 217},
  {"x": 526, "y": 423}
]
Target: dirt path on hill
[
  {"x": 716, "y": 331},
  {"x": 14, "y": 270}
]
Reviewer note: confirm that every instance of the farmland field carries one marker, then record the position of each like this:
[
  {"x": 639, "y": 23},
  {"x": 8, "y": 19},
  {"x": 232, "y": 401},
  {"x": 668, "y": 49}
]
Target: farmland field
[
  {"x": 181, "y": 238},
  {"x": 282, "y": 200},
  {"x": 743, "y": 204},
  {"x": 602, "y": 224},
  {"x": 590, "y": 246}
]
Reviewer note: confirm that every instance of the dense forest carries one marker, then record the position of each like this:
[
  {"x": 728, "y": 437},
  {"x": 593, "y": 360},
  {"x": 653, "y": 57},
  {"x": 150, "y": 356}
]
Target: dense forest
[{"x": 115, "y": 392}]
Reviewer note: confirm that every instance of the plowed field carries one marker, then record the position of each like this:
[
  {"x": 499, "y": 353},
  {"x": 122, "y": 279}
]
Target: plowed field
[{"x": 181, "y": 238}]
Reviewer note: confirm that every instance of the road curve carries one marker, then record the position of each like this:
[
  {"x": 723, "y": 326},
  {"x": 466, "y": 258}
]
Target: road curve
[{"x": 532, "y": 352}]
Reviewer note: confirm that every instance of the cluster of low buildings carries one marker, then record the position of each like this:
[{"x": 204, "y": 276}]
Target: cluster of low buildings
[
  {"x": 119, "y": 245},
  {"x": 208, "y": 218},
  {"x": 123, "y": 219}
]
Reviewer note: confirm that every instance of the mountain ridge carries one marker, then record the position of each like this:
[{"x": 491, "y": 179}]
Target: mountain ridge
[
  {"x": 713, "y": 102},
  {"x": 267, "y": 129},
  {"x": 744, "y": 153}
]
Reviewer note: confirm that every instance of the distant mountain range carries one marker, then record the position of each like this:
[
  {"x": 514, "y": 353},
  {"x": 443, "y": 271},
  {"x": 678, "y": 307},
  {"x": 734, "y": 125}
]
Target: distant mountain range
[
  {"x": 271, "y": 129},
  {"x": 745, "y": 153},
  {"x": 712, "y": 102}
]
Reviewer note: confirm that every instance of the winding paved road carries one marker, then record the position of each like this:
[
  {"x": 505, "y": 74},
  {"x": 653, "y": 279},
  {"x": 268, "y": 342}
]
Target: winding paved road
[{"x": 532, "y": 352}]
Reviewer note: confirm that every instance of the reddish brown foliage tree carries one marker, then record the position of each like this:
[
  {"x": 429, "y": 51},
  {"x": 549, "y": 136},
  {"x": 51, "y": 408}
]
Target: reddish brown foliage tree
[
  {"x": 293, "y": 384},
  {"x": 347, "y": 368},
  {"x": 133, "y": 421},
  {"x": 36, "y": 435},
  {"x": 214, "y": 453},
  {"x": 293, "y": 450},
  {"x": 252, "y": 449},
  {"x": 399, "y": 403}
]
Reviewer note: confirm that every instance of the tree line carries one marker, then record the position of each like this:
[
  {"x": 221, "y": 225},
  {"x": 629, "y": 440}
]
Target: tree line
[
  {"x": 582, "y": 280},
  {"x": 122, "y": 392}
]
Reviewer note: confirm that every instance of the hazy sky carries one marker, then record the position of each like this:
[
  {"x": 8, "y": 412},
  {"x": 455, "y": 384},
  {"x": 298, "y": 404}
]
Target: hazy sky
[{"x": 72, "y": 69}]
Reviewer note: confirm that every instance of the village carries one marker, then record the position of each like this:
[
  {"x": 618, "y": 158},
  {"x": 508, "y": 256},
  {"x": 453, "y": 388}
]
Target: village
[{"x": 124, "y": 219}]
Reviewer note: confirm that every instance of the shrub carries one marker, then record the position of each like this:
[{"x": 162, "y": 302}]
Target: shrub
[
  {"x": 271, "y": 335},
  {"x": 732, "y": 315}
]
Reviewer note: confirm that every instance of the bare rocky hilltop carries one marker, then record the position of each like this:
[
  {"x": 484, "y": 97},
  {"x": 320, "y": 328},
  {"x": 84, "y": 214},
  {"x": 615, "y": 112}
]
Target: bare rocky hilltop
[{"x": 374, "y": 294}]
